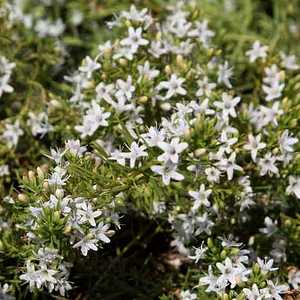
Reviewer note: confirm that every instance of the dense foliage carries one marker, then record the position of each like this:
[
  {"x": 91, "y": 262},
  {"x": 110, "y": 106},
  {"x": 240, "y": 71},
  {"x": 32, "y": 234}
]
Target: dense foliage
[{"x": 149, "y": 151}]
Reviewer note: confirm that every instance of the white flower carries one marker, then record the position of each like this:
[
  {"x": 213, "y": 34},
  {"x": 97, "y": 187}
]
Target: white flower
[
  {"x": 136, "y": 152},
  {"x": 213, "y": 282},
  {"x": 187, "y": 295},
  {"x": 30, "y": 276},
  {"x": 267, "y": 165},
  {"x": 202, "y": 32},
  {"x": 205, "y": 87},
  {"x": 102, "y": 232},
  {"x": 154, "y": 136},
  {"x": 89, "y": 66},
  {"x": 58, "y": 177},
  {"x": 173, "y": 86},
  {"x": 270, "y": 113},
  {"x": 86, "y": 244},
  {"x": 118, "y": 156},
  {"x": 227, "y": 105},
  {"x": 199, "y": 253},
  {"x": 45, "y": 276},
  {"x": 105, "y": 91},
  {"x": 134, "y": 39},
  {"x": 94, "y": 117},
  {"x": 168, "y": 172},
  {"x": 87, "y": 214},
  {"x": 266, "y": 265},
  {"x": 6, "y": 67},
  {"x": 135, "y": 15},
  {"x": 289, "y": 61},
  {"x": 224, "y": 74},
  {"x": 39, "y": 123},
  {"x": 200, "y": 197},
  {"x": 12, "y": 133},
  {"x": 229, "y": 165},
  {"x": 253, "y": 293},
  {"x": 273, "y": 75},
  {"x": 4, "y": 170},
  {"x": 4, "y": 86},
  {"x": 213, "y": 174},
  {"x": 257, "y": 51},
  {"x": 146, "y": 72},
  {"x": 74, "y": 147},
  {"x": 171, "y": 150},
  {"x": 271, "y": 227},
  {"x": 294, "y": 186},
  {"x": 254, "y": 145},
  {"x": 275, "y": 291},
  {"x": 286, "y": 142},
  {"x": 125, "y": 88},
  {"x": 202, "y": 107},
  {"x": 274, "y": 91}
]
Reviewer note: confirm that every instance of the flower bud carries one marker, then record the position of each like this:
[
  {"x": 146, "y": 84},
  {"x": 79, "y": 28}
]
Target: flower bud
[
  {"x": 158, "y": 36},
  {"x": 22, "y": 197},
  {"x": 128, "y": 23},
  {"x": 210, "y": 243},
  {"x": 293, "y": 123},
  {"x": 59, "y": 193},
  {"x": 46, "y": 185},
  {"x": 225, "y": 297},
  {"x": 223, "y": 254},
  {"x": 256, "y": 268},
  {"x": 166, "y": 106},
  {"x": 40, "y": 173},
  {"x": 107, "y": 52},
  {"x": 31, "y": 175},
  {"x": 168, "y": 70},
  {"x": 67, "y": 229},
  {"x": 123, "y": 62},
  {"x": 54, "y": 104},
  {"x": 200, "y": 152},
  {"x": 143, "y": 99}
]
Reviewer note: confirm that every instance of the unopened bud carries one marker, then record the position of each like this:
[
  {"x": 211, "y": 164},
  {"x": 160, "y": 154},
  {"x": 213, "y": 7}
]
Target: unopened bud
[
  {"x": 200, "y": 152},
  {"x": 123, "y": 62},
  {"x": 22, "y": 198},
  {"x": 143, "y": 99},
  {"x": 128, "y": 23},
  {"x": 225, "y": 297},
  {"x": 223, "y": 254},
  {"x": 179, "y": 60},
  {"x": 107, "y": 52},
  {"x": 67, "y": 229},
  {"x": 59, "y": 193},
  {"x": 31, "y": 175},
  {"x": 158, "y": 36},
  {"x": 168, "y": 70},
  {"x": 46, "y": 185},
  {"x": 40, "y": 173},
  {"x": 54, "y": 104},
  {"x": 294, "y": 123},
  {"x": 210, "y": 243},
  {"x": 166, "y": 106},
  {"x": 256, "y": 268}
]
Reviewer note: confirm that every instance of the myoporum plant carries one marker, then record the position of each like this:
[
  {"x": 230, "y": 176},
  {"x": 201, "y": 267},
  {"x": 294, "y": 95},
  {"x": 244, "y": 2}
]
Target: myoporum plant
[{"x": 164, "y": 123}]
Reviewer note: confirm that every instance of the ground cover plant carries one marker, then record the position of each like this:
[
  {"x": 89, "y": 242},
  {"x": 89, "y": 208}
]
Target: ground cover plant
[{"x": 150, "y": 150}]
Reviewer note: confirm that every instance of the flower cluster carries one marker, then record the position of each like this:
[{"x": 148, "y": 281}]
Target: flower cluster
[
  {"x": 161, "y": 122},
  {"x": 6, "y": 69}
]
